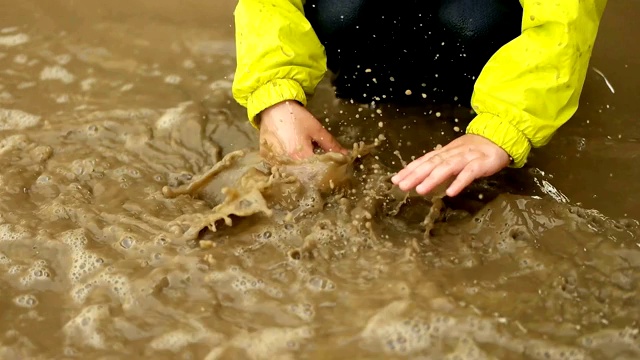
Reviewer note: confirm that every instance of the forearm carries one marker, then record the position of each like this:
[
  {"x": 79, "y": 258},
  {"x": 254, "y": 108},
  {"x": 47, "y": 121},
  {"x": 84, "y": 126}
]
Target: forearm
[
  {"x": 532, "y": 85},
  {"x": 279, "y": 56}
]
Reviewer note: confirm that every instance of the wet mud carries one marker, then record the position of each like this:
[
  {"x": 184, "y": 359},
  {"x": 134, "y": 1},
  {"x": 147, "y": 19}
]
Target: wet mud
[{"x": 138, "y": 220}]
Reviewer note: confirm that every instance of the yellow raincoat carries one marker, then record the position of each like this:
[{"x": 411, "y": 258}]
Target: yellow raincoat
[{"x": 527, "y": 90}]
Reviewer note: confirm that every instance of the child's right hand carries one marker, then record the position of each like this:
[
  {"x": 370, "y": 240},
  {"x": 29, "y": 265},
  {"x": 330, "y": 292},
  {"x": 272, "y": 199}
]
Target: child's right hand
[{"x": 288, "y": 129}]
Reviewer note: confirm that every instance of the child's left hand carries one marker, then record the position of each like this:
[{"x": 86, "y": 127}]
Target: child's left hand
[{"x": 469, "y": 157}]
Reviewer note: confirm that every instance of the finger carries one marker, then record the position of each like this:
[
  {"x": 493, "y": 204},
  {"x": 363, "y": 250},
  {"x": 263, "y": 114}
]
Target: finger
[
  {"x": 420, "y": 173},
  {"x": 327, "y": 142},
  {"x": 402, "y": 174},
  {"x": 424, "y": 158},
  {"x": 445, "y": 170},
  {"x": 415, "y": 164},
  {"x": 470, "y": 172},
  {"x": 442, "y": 152}
]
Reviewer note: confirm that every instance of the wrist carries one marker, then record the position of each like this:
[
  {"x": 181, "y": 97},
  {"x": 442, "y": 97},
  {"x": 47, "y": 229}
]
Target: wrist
[
  {"x": 280, "y": 108},
  {"x": 273, "y": 93},
  {"x": 504, "y": 134}
]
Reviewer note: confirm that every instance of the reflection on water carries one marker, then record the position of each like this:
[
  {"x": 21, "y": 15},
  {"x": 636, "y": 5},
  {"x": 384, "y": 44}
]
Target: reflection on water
[{"x": 103, "y": 105}]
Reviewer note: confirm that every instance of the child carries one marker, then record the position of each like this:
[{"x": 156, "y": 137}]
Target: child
[{"x": 522, "y": 67}]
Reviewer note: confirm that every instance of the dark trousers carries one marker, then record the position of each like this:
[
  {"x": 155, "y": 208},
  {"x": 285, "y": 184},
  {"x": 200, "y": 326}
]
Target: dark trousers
[{"x": 404, "y": 50}]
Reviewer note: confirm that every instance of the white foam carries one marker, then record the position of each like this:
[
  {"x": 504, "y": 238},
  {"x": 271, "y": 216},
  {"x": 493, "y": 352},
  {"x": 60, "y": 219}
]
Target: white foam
[
  {"x": 26, "y": 301},
  {"x": 57, "y": 72},
  {"x": 62, "y": 99},
  {"x": 11, "y": 119},
  {"x": 221, "y": 85},
  {"x": 272, "y": 343},
  {"x": 83, "y": 262},
  {"x": 173, "y": 79},
  {"x": 13, "y": 40},
  {"x": 8, "y": 30},
  {"x": 5, "y": 96},
  {"x": 20, "y": 59},
  {"x": 305, "y": 312},
  {"x": 63, "y": 59},
  {"x": 4, "y": 259},
  {"x": 188, "y": 64},
  {"x": 171, "y": 117},
  {"x": 10, "y": 232},
  {"x": 87, "y": 84},
  {"x": 37, "y": 271},
  {"x": 85, "y": 328},
  {"x": 318, "y": 283},
  {"x": 75, "y": 239},
  {"x": 174, "y": 340},
  {"x": 25, "y": 85}
]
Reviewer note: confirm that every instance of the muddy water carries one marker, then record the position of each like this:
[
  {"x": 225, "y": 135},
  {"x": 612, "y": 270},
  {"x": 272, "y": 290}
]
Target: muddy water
[{"x": 114, "y": 243}]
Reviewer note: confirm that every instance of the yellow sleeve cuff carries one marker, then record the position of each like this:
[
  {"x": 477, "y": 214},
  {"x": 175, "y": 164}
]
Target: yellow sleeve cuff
[
  {"x": 503, "y": 134},
  {"x": 271, "y": 93}
]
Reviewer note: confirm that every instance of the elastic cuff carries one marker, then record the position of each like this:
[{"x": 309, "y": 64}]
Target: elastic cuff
[
  {"x": 271, "y": 93},
  {"x": 504, "y": 134}
]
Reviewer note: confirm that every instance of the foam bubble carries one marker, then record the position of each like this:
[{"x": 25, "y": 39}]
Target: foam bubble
[
  {"x": 37, "y": 271},
  {"x": 272, "y": 343},
  {"x": 224, "y": 85},
  {"x": 57, "y": 72},
  {"x": 5, "y": 96},
  {"x": 85, "y": 328},
  {"x": 75, "y": 238},
  {"x": 317, "y": 283},
  {"x": 87, "y": 84},
  {"x": 305, "y": 312},
  {"x": 21, "y": 59},
  {"x": 14, "y": 40},
  {"x": 127, "y": 242},
  {"x": 118, "y": 284},
  {"x": 188, "y": 64},
  {"x": 4, "y": 259},
  {"x": 466, "y": 349},
  {"x": 63, "y": 59},
  {"x": 62, "y": 99},
  {"x": 247, "y": 282},
  {"x": 542, "y": 350},
  {"x": 25, "y": 85},
  {"x": 10, "y": 232},
  {"x": 174, "y": 340},
  {"x": 9, "y": 29},
  {"x": 171, "y": 117},
  {"x": 173, "y": 79},
  {"x": 17, "y": 120},
  {"x": 15, "y": 269},
  {"x": 26, "y": 301},
  {"x": 613, "y": 340},
  {"x": 83, "y": 262}
]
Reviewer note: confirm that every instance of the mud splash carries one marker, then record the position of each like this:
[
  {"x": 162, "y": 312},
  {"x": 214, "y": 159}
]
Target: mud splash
[
  {"x": 104, "y": 105},
  {"x": 355, "y": 186}
]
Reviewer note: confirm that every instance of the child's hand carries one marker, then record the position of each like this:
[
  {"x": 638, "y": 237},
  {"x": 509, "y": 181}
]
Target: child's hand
[
  {"x": 469, "y": 157},
  {"x": 288, "y": 129}
]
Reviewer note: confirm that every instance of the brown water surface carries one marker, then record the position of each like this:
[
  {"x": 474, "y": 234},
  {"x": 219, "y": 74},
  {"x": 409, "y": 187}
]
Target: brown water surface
[{"x": 113, "y": 244}]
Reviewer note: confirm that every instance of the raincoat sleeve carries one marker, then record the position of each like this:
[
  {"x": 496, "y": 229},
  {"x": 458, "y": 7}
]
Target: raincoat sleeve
[
  {"x": 531, "y": 86},
  {"x": 279, "y": 56}
]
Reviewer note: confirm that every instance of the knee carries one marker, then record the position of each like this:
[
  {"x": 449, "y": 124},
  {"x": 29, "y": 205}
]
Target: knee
[{"x": 472, "y": 20}]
